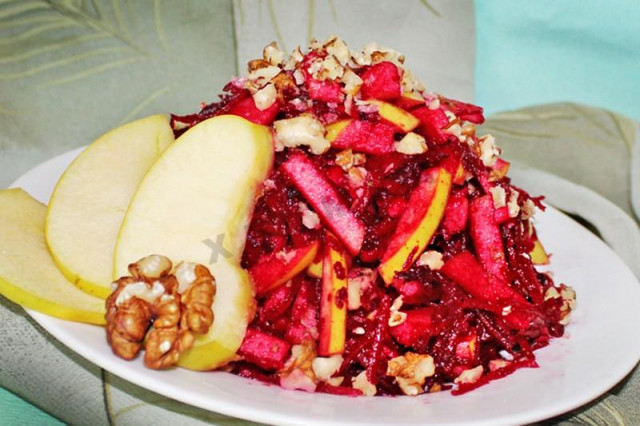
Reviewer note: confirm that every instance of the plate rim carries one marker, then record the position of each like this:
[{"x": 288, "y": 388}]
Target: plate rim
[{"x": 550, "y": 411}]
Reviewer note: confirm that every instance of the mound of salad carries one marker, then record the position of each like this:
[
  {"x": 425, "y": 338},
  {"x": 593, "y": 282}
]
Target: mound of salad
[{"x": 389, "y": 251}]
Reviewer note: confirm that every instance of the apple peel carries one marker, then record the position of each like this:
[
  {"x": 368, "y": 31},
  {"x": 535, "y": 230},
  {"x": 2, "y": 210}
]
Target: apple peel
[
  {"x": 418, "y": 223},
  {"x": 28, "y": 274}
]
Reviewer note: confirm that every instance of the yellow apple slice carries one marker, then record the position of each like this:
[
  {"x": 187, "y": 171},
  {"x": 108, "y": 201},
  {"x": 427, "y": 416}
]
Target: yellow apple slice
[
  {"x": 334, "y": 298},
  {"x": 334, "y": 129},
  {"x": 401, "y": 118},
  {"x": 418, "y": 223},
  {"x": 91, "y": 198},
  {"x": 28, "y": 275},
  {"x": 538, "y": 254},
  {"x": 194, "y": 205}
]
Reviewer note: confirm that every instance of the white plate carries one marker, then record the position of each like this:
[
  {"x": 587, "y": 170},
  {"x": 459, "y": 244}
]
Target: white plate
[{"x": 601, "y": 346}]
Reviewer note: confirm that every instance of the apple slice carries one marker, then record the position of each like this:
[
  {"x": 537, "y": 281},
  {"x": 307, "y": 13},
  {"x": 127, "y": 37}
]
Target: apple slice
[
  {"x": 487, "y": 238},
  {"x": 276, "y": 269},
  {"x": 91, "y": 198},
  {"x": 325, "y": 201},
  {"x": 28, "y": 274},
  {"x": 538, "y": 254},
  {"x": 314, "y": 269},
  {"x": 364, "y": 136},
  {"x": 410, "y": 100},
  {"x": 194, "y": 205},
  {"x": 397, "y": 116},
  {"x": 335, "y": 128},
  {"x": 334, "y": 298},
  {"x": 418, "y": 223},
  {"x": 499, "y": 169}
]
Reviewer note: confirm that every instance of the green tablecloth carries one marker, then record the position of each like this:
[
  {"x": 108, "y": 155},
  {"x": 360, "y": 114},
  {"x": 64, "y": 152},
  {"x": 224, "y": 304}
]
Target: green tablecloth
[{"x": 71, "y": 69}]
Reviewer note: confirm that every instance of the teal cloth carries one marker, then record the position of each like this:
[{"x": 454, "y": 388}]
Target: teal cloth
[
  {"x": 16, "y": 411},
  {"x": 535, "y": 52}
]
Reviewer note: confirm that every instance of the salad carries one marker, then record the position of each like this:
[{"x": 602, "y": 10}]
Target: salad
[{"x": 389, "y": 252}]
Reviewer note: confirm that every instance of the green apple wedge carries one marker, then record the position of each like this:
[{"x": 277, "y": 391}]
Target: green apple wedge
[
  {"x": 28, "y": 275},
  {"x": 92, "y": 196},
  {"x": 195, "y": 204}
]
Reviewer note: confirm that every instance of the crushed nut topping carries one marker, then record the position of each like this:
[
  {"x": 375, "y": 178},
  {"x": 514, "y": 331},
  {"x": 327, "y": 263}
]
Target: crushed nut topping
[
  {"x": 411, "y": 371},
  {"x": 358, "y": 281},
  {"x": 568, "y": 296},
  {"x": 499, "y": 196},
  {"x": 432, "y": 259},
  {"x": 310, "y": 219},
  {"x": 273, "y": 54},
  {"x": 298, "y": 372},
  {"x": 302, "y": 130},
  {"x": 469, "y": 376},
  {"x": 361, "y": 382},
  {"x": 487, "y": 150},
  {"x": 159, "y": 311},
  {"x": 411, "y": 144},
  {"x": 325, "y": 367}
]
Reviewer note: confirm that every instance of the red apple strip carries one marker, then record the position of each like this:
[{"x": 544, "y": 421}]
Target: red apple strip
[
  {"x": 333, "y": 300},
  {"x": 456, "y": 213},
  {"x": 264, "y": 350},
  {"x": 325, "y": 201},
  {"x": 487, "y": 238},
  {"x": 276, "y": 269},
  {"x": 418, "y": 223},
  {"x": 465, "y": 271}
]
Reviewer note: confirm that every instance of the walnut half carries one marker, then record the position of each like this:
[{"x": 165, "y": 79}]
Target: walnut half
[{"x": 158, "y": 310}]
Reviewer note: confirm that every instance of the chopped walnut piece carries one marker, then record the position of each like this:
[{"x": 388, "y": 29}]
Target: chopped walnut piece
[
  {"x": 265, "y": 97},
  {"x": 411, "y": 371},
  {"x": 432, "y": 259},
  {"x": 161, "y": 314},
  {"x": 310, "y": 219},
  {"x": 338, "y": 49},
  {"x": 298, "y": 371},
  {"x": 272, "y": 54},
  {"x": 362, "y": 383},
  {"x": 499, "y": 196},
  {"x": 411, "y": 144},
  {"x": 568, "y": 296},
  {"x": 487, "y": 150},
  {"x": 325, "y": 367},
  {"x": 470, "y": 376},
  {"x": 304, "y": 129}
]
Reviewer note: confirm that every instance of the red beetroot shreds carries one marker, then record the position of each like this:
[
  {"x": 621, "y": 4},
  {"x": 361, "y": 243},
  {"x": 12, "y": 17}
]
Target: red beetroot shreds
[
  {"x": 468, "y": 297},
  {"x": 338, "y": 390},
  {"x": 325, "y": 201}
]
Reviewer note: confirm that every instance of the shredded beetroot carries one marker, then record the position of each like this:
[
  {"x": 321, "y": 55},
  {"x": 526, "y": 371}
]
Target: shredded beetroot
[{"x": 471, "y": 300}]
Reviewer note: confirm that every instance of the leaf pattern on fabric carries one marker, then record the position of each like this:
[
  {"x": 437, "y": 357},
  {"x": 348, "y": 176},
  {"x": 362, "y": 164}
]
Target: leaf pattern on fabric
[
  {"x": 73, "y": 69},
  {"x": 589, "y": 146}
]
